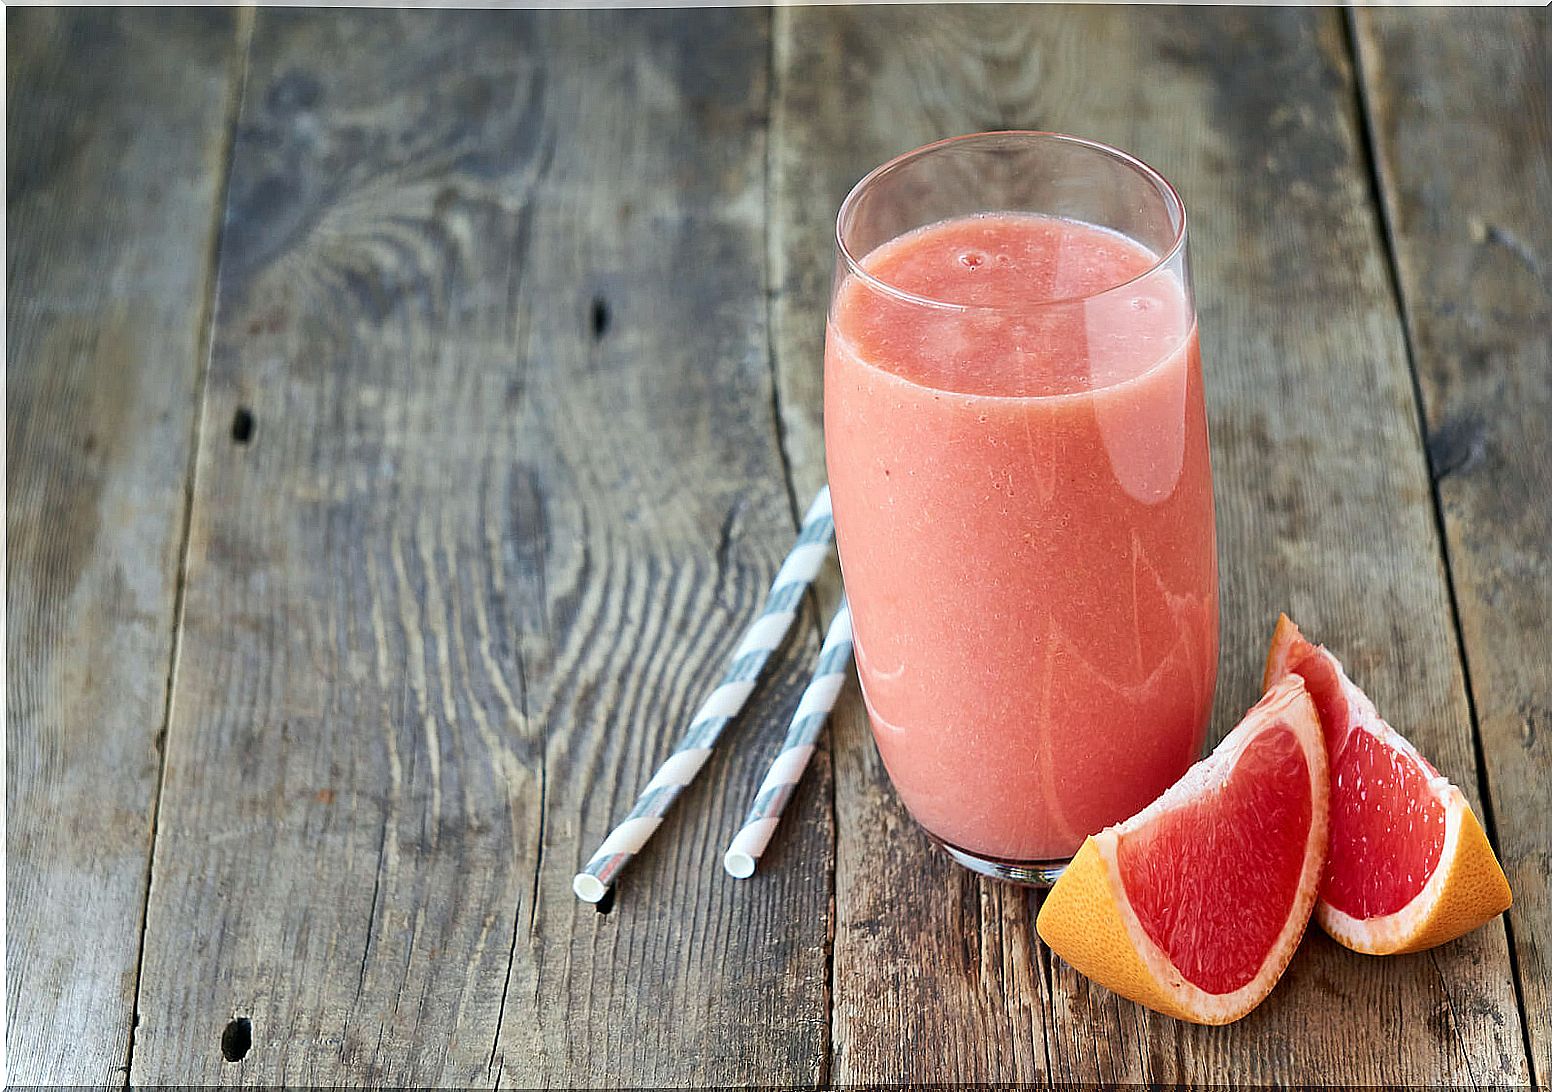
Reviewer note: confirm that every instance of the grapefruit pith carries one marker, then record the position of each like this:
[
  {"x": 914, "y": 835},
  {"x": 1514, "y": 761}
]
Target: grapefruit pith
[
  {"x": 1409, "y": 866},
  {"x": 1194, "y": 906}
]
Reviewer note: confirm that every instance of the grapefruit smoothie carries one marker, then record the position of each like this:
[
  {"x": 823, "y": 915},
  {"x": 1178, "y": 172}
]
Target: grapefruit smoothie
[{"x": 1017, "y": 454}]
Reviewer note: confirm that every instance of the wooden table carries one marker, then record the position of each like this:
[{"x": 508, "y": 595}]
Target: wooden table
[{"x": 406, "y": 410}]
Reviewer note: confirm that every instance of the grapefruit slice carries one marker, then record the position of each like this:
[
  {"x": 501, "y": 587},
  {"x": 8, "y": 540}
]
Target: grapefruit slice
[
  {"x": 1194, "y": 906},
  {"x": 1409, "y": 867}
]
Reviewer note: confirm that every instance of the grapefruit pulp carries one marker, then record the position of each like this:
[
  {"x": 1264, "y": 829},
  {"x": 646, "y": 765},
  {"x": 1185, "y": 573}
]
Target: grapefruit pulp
[
  {"x": 1194, "y": 906},
  {"x": 1409, "y": 866}
]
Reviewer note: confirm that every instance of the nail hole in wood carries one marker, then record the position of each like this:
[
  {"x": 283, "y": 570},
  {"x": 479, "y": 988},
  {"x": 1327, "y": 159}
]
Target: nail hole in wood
[
  {"x": 605, "y": 904},
  {"x": 601, "y": 316},
  {"x": 242, "y": 425},
  {"x": 236, "y": 1039}
]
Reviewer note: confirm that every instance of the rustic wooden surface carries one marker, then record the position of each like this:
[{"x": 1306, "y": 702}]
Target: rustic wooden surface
[
  {"x": 117, "y": 128},
  {"x": 1473, "y": 250},
  {"x": 448, "y": 605},
  {"x": 511, "y": 398}
]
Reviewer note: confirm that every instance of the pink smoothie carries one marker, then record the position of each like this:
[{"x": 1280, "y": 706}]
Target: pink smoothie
[{"x": 1024, "y": 512}]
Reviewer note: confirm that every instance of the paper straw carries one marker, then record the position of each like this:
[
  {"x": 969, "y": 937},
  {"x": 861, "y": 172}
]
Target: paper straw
[
  {"x": 749, "y": 659},
  {"x": 787, "y": 770}
]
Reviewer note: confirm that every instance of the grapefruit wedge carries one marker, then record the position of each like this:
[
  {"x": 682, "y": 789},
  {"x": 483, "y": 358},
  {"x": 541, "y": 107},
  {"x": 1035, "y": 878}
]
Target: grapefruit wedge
[
  {"x": 1194, "y": 906},
  {"x": 1409, "y": 867}
]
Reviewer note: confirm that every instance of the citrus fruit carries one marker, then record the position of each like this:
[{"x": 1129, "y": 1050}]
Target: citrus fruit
[
  {"x": 1409, "y": 866},
  {"x": 1194, "y": 905}
]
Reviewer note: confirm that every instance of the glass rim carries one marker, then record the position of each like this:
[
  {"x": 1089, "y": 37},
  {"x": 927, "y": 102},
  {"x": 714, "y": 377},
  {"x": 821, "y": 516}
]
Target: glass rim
[{"x": 854, "y": 267}]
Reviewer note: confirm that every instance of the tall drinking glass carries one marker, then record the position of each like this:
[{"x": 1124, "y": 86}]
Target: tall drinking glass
[{"x": 1017, "y": 453}]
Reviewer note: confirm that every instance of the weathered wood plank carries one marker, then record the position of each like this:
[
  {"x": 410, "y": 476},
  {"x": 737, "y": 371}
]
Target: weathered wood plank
[
  {"x": 493, "y": 295},
  {"x": 678, "y": 519},
  {"x": 117, "y": 125},
  {"x": 1324, "y": 510},
  {"x": 1459, "y": 115}
]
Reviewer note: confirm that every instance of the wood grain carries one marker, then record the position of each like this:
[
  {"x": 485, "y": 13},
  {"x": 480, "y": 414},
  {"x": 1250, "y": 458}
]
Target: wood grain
[
  {"x": 1463, "y": 146},
  {"x": 117, "y": 125},
  {"x": 493, "y": 302},
  {"x": 514, "y": 391},
  {"x": 1324, "y": 509}
]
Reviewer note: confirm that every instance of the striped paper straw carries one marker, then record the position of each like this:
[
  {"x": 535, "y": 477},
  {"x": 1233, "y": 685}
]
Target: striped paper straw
[
  {"x": 787, "y": 770},
  {"x": 749, "y": 659}
]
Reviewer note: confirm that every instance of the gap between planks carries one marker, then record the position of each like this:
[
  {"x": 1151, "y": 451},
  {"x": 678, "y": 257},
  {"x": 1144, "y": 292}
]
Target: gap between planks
[
  {"x": 776, "y": 27},
  {"x": 237, "y": 85}
]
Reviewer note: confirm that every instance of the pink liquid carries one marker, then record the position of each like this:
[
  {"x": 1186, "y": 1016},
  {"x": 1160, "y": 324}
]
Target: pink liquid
[{"x": 1023, "y": 507}]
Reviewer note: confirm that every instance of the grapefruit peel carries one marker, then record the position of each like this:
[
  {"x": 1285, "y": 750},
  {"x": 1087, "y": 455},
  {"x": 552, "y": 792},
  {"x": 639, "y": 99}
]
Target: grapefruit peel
[
  {"x": 1088, "y": 917},
  {"x": 1466, "y": 888}
]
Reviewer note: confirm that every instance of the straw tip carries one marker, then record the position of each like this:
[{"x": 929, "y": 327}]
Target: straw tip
[
  {"x": 739, "y": 864},
  {"x": 588, "y": 887}
]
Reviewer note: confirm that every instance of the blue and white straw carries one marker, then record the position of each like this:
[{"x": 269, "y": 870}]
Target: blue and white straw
[
  {"x": 749, "y": 660},
  {"x": 787, "y": 770}
]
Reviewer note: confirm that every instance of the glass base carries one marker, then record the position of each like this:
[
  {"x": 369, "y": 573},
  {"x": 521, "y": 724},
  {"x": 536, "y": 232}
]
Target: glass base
[{"x": 1028, "y": 873}]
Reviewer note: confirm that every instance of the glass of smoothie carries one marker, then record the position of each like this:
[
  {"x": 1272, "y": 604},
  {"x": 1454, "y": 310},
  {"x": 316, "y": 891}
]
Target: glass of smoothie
[{"x": 1016, "y": 443}]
